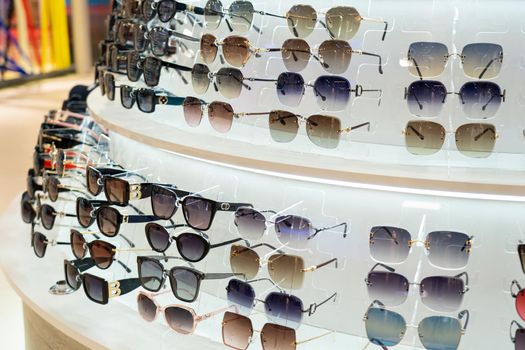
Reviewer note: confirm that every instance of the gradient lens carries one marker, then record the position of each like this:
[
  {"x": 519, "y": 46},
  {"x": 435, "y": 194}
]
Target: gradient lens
[
  {"x": 277, "y": 337},
  {"x": 335, "y": 55},
  {"x": 476, "y": 140},
  {"x": 284, "y": 309},
  {"x": 519, "y": 339},
  {"x": 250, "y": 223},
  {"x": 323, "y": 130},
  {"x": 40, "y": 245},
  {"x": 427, "y": 59},
  {"x": 244, "y": 260},
  {"x": 283, "y": 126},
  {"x": 163, "y": 202},
  {"x": 192, "y": 247},
  {"x": 198, "y": 212},
  {"x": 52, "y": 185},
  {"x": 425, "y": 98},
  {"x": 159, "y": 37},
  {"x": 480, "y": 99},
  {"x": 94, "y": 288},
  {"x": 293, "y": 231},
  {"x": 179, "y": 319},
  {"x": 296, "y": 54},
  {"x": 102, "y": 253},
  {"x": 442, "y": 293},
  {"x": 241, "y": 15},
  {"x": 301, "y": 20},
  {"x": 290, "y": 88},
  {"x": 117, "y": 190},
  {"x": 391, "y": 288},
  {"x": 482, "y": 60},
  {"x": 133, "y": 66},
  {"x": 236, "y": 50},
  {"x": 389, "y": 244},
  {"x": 440, "y": 332},
  {"x": 78, "y": 244},
  {"x": 332, "y": 93},
  {"x": 166, "y": 10},
  {"x": 384, "y": 328},
  {"x": 184, "y": 283},
  {"x": 126, "y": 97},
  {"x": 146, "y": 100},
  {"x": 139, "y": 36},
  {"x": 151, "y": 274},
  {"x": 237, "y": 330},
  {"x": 229, "y": 82},
  {"x": 424, "y": 137},
  {"x": 158, "y": 237},
  {"x": 92, "y": 178},
  {"x": 287, "y": 271},
  {"x": 84, "y": 210},
  {"x": 213, "y": 13},
  {"x": 220, "y": 115},
  {"x": 151, "y": 68},
  {"x": 192, "y": 111},
  {"x": 200, "y": 78},
  {"x": 47, "y": 215},
  {"x": 209, "y": 48},
  {"x": 520, "y": 301},
  {"x": 28, "y": 213},
  {"x": 241, "y": 294},
  {"x": 72, "y": 275},
  {"x": 343, "y": 22},
  {"x": 108, "y": 221},
  {"x": 448, "y": 249},
  {"x": 146, "y": 307}
]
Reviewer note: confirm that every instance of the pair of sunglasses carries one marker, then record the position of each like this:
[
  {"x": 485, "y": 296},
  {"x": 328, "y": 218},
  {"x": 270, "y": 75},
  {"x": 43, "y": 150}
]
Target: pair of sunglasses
[
  {"x": 39, "y": 242},
  {"x": 97, "y": 289},
  {"x": 475, "y": 140},
  {"x": 293, "y": 231},
  {"x": 110, "y": 219},
  {"x": 147, "y": 99},
  {"x": 237, "y": 333},
  {"x": 165, "y": 10},
  {"x": 478, "y": 60},
  {"x": 333, "y": 55},
  {"x": 445, "y": 249},
  {"x": 479, "y": 99},
  {"x": 387, "y": 328},
  {"x": 286, "y": 271},
  {"x": 48, "y": 215},
  {"x": 519, "y": 336},
  {"x": 95, "y": 177},
  {"x": 150, "y": 67},
  {"x": 439, "y": 293},
  {"x": 158, "y": 40},
  {"x": 191, "y": 246},
  {"x": 185, "y": 282},
  {"x": 120, "y": 191},
  {"x": 199, "y": 212},
  {"x": 182, "y": 319}
]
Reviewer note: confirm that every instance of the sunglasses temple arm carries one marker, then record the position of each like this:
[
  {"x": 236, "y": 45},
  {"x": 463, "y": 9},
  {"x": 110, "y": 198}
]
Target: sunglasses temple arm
[
  {"x": 343, "y": 224},
  {"x": 228, "y": 242},
  {"x": 359, "y": 91},
  {"x": 227, "y": 206},
  {"x": 313, "y": 307},
  {"x": 217, "y": 312},
  {"x": 488, "y": 66},
  {"x": 268, "y": 280},
  {"x": 513, "y": 339},
  {"x": 268, "y": 246},
  {"x": 417, "y": 66},
  {"x": 373, "y": 55},
  {"x": 466, "y": 314},
  {"x": 141, "y": 218},
  {"x": 388, "y": 268},
  {"x": 377, "y": 20},
  {"x": 128, "y": 241},
  {"x": 220, "y": 276},
  {"x": 124, "y": 266},
  {"x": 247, "y": 114},
  {"x": 313, "y": 338},
  {"x": 490, "y": 100},
  {"x": 350, "y": 128},
  {"x": 316, "y": 267},
  {"x": 128, "y": 285},
  {"x": 262, "y": 13},
  {"x": 83, "y": 264},
  {"x": 421, "y": 137}
]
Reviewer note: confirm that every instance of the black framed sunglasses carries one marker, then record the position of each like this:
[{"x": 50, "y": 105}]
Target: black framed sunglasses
[
  {"x": 150, "y": 67},
  {"x": 158, "y": 40},
  {"x": 110, "y": 219},
  {"x": 95, "y": 177},
  {"x": 39, "y": 242},
  {"x": 166, "y": 9},
  {"x": 147, "y": 99},
  {"x": 28, "y": 208},
  {"x": 48, "y": 214}
]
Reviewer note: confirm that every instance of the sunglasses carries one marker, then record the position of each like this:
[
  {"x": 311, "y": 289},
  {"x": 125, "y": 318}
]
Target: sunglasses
[
  {"x": 191, "y": 246},
  {"x": 475, "y": 140},
  {"x": 478, "y": 60},
  {"x": 521, "y": 253},
  {"x": 147, "y": 99},
  {"x": 180, "y": 318},
  {"x": 293, "y": 231},
  {"x": 479, "y": 99},
  {"x": 124, "y": 33},
  {"x": 286, "y": 271},
  {"x": 39, "y": 242},
  {"x": 53, "y": 188},
  {"x": 439, "y": 293},
  {"x": 387, "y": 328},
  {"x": 117, "y": 58},
  {"x": 199, "y": 212},
  {"x": 157, "y": 39},
  {"x": 519, "y": 336},
  {"x": 445, "y": 249},
  {"x": 166, "y": 9},
  {"x": 95, "y": 177},
  {"x": 341, "y": 22},
  {"x": 150, "y": 67},
  {"x": 28, "y": 207},
  {"x": 110, "y": 219},
  {"x": 237, "y": 333},
  {"x": 185, "y": 282},
  {"x": 220, "y": 114},
  {"x": 48, "y": 214}
]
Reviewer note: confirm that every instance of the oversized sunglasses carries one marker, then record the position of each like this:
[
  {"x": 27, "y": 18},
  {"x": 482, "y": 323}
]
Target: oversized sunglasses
[
  {"x": 158, "y": 40},
  {"x": 39, "y": 242},
  {"x": 166, "y": 9},
  {"x": 519, "y": 336},
  {"x": 293, "y": 231},
  {"x": 445, "y": 249},
  {"x": 150, "y": 67},
  {"x": 286, "y": 271},
  {"x": 147, "y": 99},
  {"x": 182, "y": 319},
  {"x": 479, "y": 99},
  {"x": 439, "y": 293},
  {"x": 476, "y": 140},
  {"x": 95, "y": 177},
  {"x": 387, "y": 328},
  {"x": 478, "y": 60}
]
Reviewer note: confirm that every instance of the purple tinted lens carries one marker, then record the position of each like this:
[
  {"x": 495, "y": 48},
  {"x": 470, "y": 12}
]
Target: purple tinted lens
[
  {"x": 184, "y": 284},
  {"x": 389, "y": 244},
  {"x": 151, "y": 68},
  {"x": 39, "y": 244},
  {"x": 448, "y": 249},
  {"x": 94, "y": 288},
  {"x": 147, "y": 11},
  {"x": 166, "y": 10},
  {"x": 480, "y": 99},
  {"x": 290, "y": 88},
  {"x": 293, "y": 231},
  {"x": 284, "y": 309},
  {"x": 151, "y": 274},
  {"x": 425, "y": 98},
  {"x": 391, "y": 288},
  {"x": 192, "y": 247},
  {"x": 47, "y": 215},
  {"x": 147, "y": 308},
  {"x": 158, "y": 237},
  {"x": 84, "y": 210},
  {"x": 519, "y": 341},
  {"x": 442, "y": 293},
  {"x": 163, "y": 202},
  {"x": 241, "y": 294},
  {"x": 332, "y": 92},
  {"x": 198, "y": 212},
  {"x": 179, "y": 319},
  {"x": 250, "y": 223}
]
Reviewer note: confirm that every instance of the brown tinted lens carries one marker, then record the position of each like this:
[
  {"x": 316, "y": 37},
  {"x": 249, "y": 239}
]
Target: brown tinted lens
[
  {"x": 84, "y": 210},
  {"x": 476, "y": 140},
  {"x": 221, "y": 116},
  {"x": 39, "y": 244},
  {"x": 296, "y": 54},
  {"x": 200, "y": 78},
  {"x": 116, "y": 190},
  {"x": 323, "y": 131},
  {"x": 276, "y": 337},
  {"x": 192, "y": 111},
  {"x": 52, "y": 188},
  {"x": 424, "y": 137},
  {"x": 102, "y": 253},
  {"x": 283, "y": 126},
  {"x": 335, "y": 55},
  {"x": 147, "y": 307},
  {"x": 237, "y": 330},
  {"x": 72, "y": 276},
  {"x": 236, "y": 50},
  {"x": 92, "y": 178},
  {"x": 301, "y": 20},
  {"x": 78, "y": 244},
  {"x": 343, "y": 22},
  {"x": 209, "y": 48},
  {"x": 47, "y": 215},
  {"x": 286, "y": 270},
  {"x": 108, "y": 221},
  {"x": 244, "y": 260}
]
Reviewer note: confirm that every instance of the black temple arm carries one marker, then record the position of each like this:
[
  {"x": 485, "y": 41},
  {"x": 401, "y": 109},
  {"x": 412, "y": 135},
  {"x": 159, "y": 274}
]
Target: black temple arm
[
  {"x": 228, "y": 206},
  {"x": 313, "y": 307},
  {"x": 128, "y": 285},
  {"x": 142, "y": 218}
]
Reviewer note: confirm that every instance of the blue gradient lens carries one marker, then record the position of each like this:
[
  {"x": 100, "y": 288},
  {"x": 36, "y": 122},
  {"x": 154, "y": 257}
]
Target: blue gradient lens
[
  {"x": 284, "y": 309},
  {"x": 384, "y": 328},
  {"x": 440, "y": 333},
  {"x": 293, "y": 231},
  {"x": 332, "y": 92},
  {"x": 482, "y": 60},
  {"x": 425, "y": 98},
  {"x": 427, "y": 59},
  {"x": 480, "y": 99},
  {"x": 241, "y": 294},
  {"x": 290, "y": 88}
]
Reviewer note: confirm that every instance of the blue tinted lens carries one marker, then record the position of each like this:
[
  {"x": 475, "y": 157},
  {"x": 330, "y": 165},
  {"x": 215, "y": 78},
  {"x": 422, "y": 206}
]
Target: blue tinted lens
[
  {"x": 385, "y": 328},
  {"x": 440, "y": 333},
  {"x": 290, "y": 88},
  {"x": 293, "y": 231},
  {"x": 425, "y": 98},
  {"x": 284, "y": 309},
  {"x": 241, "y": 294},
  {"x": 480, "y": 99},
  {"x": 332, "y": 92}
]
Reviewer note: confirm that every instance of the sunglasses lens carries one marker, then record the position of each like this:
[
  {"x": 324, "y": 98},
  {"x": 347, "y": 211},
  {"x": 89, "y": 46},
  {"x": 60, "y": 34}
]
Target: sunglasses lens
[
  {"x": 39, "y": 244},
  {"x": 125, "y": 96},
  {"x": 290, "y": 88},
  {"x": 236, "y": 50},
  {"x": 389, "y": 244},
  {"x": 133, "y": 69},
  {"x": 476, "y": 140},
  {"x": 245, "y": 261},
  {"x": 229, "y": 82},
  {"x": 163, "y": 202},
  {"x": 72, "y": 276},
  {"x": 391, "y": 288},
  {"x": 102, "y": 253},
  {"x": 332, "y": 93},
  {"x": 78, "y": 244},
  {"x": 449, "y": 250},
  {"x": 166, "y": 10},
  {"x": 250, "y": 223},
  {"x": 482, "y": 60},
  {"x": 323, "y": 131},
  {"x": 94, "y": 288},
  {"x": 424, "y": 137},
  {"x": 293, "y": 231},
  {"x": 60, "y": 159},
  {"x": 286, "y": 270},
  {"x": 179, "y": 319},
  {"x": 146, "y": 100},
  {"x": 427, "y": 59},
  {"x": 198, "y": 212},
  {"x": 442, "y": 293},
  {"x": 425, "y": 98},
  {"x": 47, "y": 215},
  {"x": 296, "y": 54},
  {"x": 139, "y": 39},
  {"x": 151, "y": 274},
  {"x": 84, "y": 210},
  {"x": 192, "y": 111},
  {"x": 237, "y": 330},
  {"x": 92, "y": 178},
  {"x": 335, "y": 55},
  {"x": 110, "y": 86},
  {"x": 519, "y": 339},
  {"x": 241, "y": 15},
  {"x": 209, "y": 48},
  {"x": 276, "y": 337},
  {"x": 52, "y": 185},
  {"x": 192, "y": 247},
  {"x": 521, "y": 253},
  {"x": 284, "y": 309},
  {"x": 200, "y": 78},
  {"x": 343, "y": 22},
  {"x": 213, "y": 13},
  {"x": 385, "y": 328},
  {"x": 480, "y": 99},
  {"x": 158, "y": 237},
  {"x": 220, "y": 115},
  {"x": 108, "y": 221},
  {"x": 151, "y": 70},
  {"x": 301, "y": 20},
  {"x": 28, "y": 213},
  {"x": 117, "y": 190},
  {"x": 159, "y": 41},
  {"x": 283, "y": 126},
  {"x": 30, "y": 184},
  {"x": 439, "y": 332},
  {"x": 184, "y": 284},
  {"x": 240, "y": 294},
  {"x": 147, "y": 11},
  {"x": 146, "y": 307}
]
